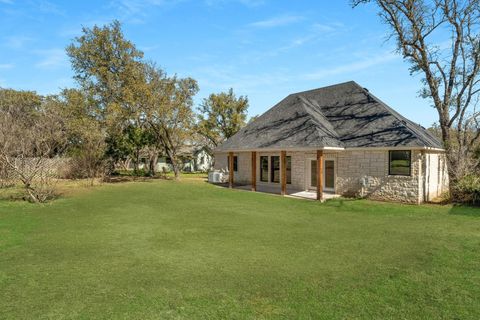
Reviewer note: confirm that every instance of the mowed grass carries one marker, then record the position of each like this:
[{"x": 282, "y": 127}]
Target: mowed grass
[{"x": 190, "y": 250}]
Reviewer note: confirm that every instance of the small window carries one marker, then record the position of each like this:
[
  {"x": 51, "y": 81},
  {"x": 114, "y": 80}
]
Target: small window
[
  {"x": 275, "y": 169},
  {"x": 264, "y": 169},
  {"x": 235, "y": 163},
  {"x": 400, "y": 163},
  {"x": 289, "y": 169}
]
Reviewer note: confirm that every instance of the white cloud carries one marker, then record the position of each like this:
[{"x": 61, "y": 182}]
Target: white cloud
[
  {"x": 52, "y": 58},
  {"x": 276, "y": 21},
  {"x": 248, "y": 3},
  {"x": 129, "y": 8},
  {"x": 351, "y": 67},
  {"x": 6, "y": 1},
  {"x": 47, "y": 7},
  {"x": 6, "y": 65},
  {"x": 17, "y": 42}
]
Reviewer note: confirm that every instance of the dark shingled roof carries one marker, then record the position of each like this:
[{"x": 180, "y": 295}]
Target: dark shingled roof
[{"x": 343, "y": 115}]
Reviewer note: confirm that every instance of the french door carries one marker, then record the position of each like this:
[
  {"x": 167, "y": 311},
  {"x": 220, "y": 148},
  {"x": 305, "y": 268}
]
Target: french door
[{"x": 328, "y": 174}]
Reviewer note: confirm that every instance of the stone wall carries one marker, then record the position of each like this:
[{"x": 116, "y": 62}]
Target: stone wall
[
  {"x": 362, "y": 173},
  {"x": 243, "y": 175},
  {"x": 365, "y": 174}
]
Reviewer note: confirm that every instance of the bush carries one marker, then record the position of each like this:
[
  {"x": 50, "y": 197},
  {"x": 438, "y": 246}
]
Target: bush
[{"x": 467, "y": 190}]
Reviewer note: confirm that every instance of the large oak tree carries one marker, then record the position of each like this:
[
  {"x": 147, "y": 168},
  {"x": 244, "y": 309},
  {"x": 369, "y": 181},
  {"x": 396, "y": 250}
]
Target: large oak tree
[{"x": 441, "y": 41}]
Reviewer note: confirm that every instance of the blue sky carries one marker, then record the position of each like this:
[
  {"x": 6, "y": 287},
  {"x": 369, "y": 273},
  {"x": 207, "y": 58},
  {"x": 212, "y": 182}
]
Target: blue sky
[{"x": 263, "y": 49}]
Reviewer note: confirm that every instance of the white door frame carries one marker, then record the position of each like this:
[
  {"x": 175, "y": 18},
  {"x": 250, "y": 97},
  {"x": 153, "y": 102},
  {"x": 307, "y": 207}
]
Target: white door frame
[{"x": 308, "y": 171}]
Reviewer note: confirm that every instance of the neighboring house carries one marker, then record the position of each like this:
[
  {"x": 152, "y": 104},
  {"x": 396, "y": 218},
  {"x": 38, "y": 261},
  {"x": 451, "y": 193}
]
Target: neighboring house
[
  {"x": 336, "y": 140},
  {"x": 197, "y": 159},
  {"x": 192, "y": 159}
]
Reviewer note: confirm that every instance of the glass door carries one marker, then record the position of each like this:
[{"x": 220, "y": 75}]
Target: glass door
[
  {"x": 313, "y": 174},
  {"x": 329, "y": 174}
]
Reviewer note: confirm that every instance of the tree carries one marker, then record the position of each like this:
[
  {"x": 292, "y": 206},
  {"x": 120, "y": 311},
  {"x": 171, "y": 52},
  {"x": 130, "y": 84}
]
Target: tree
[
  {"x": 170, "y": 115},
  {"x": 137, "y": 139},
  {"x": 450, "y": 72},
  {"x": 221, "y": 116},
  {"x": 86, "y": 139},
  {"x": 109, "y": 69},
  {"x": 32, "y": 131}
]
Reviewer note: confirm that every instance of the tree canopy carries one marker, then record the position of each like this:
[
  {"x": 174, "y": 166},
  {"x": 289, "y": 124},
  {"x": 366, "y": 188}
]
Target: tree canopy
[{"x": 221, "y": 116}]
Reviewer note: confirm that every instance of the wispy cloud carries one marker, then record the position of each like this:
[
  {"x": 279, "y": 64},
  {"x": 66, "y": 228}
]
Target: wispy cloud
[
  {"x": 17, "y": 42},
  {"x": 277, "y": 21},
  {"x": 6, "y": 65},
  {"x": 351, "y": 67},
  {"x": 248, "y": 3},
  {"x": 52, "y": 58},
  {"x": 6, "y": 1},
  {"x": 48, "y": 7},
  {"x": 136, "y": 10},
  {"x": 312, "y": 33}
]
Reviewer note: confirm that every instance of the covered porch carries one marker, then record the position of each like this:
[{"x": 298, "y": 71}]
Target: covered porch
[{"x": 278, "y": 178}]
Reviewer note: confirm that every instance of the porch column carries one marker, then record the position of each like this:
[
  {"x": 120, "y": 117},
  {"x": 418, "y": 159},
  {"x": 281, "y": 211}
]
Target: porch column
[
  {"x": 319, "y": 175},
  {"x": 230, "y": 169},
  {"x": 254, "y": 171},
  {"x": 283, "y": 168}
]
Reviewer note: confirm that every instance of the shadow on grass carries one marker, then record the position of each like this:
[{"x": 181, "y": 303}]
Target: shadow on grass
[{"x": 465, "y": 210}]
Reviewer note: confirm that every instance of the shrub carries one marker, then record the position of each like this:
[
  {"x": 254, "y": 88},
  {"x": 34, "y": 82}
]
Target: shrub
[{"x": 467, "y": 190}]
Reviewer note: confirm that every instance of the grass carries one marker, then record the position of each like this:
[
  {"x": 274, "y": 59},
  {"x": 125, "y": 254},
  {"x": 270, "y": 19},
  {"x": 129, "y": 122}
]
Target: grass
[{"x": 190, "y": 250}]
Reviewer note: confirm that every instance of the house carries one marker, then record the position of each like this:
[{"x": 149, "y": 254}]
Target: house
[
  {"x": 336, "y": 140},
  {"x": 197, "y": 159},
  {"x": 192, "y": 159}
]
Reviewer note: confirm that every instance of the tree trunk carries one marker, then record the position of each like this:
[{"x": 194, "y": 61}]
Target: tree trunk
[
  {"x": 152, "y": 163},
  {"x": 176, "y": 169}
]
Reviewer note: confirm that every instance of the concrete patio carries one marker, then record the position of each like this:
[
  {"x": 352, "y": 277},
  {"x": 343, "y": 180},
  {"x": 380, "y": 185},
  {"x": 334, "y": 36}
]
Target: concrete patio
[{"x": 294, "y": 193}]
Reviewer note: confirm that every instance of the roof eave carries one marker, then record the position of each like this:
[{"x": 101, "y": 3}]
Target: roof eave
[{"x": 292, "y": 149}]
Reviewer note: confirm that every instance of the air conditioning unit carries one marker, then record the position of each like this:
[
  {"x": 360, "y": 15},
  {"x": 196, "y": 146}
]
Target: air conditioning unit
[{"x": 216, "y": 177}]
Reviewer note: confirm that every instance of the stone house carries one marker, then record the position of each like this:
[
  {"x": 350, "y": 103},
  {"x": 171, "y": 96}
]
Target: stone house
[{"x": 336, "y": 140}]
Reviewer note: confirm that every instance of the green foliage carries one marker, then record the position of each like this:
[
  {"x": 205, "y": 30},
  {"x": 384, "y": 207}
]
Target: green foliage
[
  {"x": 467, "y": 190},
  {"x": 221, "y": 116},
  {"x": 169, "y": 115},
  {"x": 109, "y": 68},
  {"x": 85, "y": 135},
  {"x": 137, "y": 105}
]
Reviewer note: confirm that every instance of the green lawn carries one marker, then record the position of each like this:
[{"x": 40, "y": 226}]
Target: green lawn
[{"x": 190, "y": 250}]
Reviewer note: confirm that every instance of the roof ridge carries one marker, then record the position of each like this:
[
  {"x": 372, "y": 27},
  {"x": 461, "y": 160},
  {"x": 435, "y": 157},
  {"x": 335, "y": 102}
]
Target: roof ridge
[
  {"x": 326, "y": 87},
  {"x": 328, "y": 129}
]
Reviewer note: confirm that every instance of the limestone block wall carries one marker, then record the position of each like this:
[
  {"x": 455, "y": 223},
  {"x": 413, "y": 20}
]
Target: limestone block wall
[
  {"x": 244, "y": 163},
  {"x": 358, "y": 173},
  {"x": 220, "y": 161},
  {"x": 372, "y": 168},
  {"x": 243, "y": 174}
]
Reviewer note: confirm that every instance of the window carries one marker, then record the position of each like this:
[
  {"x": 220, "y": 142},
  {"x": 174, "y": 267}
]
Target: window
[
  {"x": 235, "y": 163},
  {"x": 399, "y": 162},
  {"x": 289, "y": 169},
  {"x": 275, "y": 169},
  {"x": 264, "y": 169}
]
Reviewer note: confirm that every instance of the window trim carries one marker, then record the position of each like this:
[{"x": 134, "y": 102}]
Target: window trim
[
  {"x": 390, "y": 163},
  {"x": 235, "y": 163},
  {"x": 287, "y": 169},
  {"x": 272, "y": 169},
  {"x": 261, "y": 168}
]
